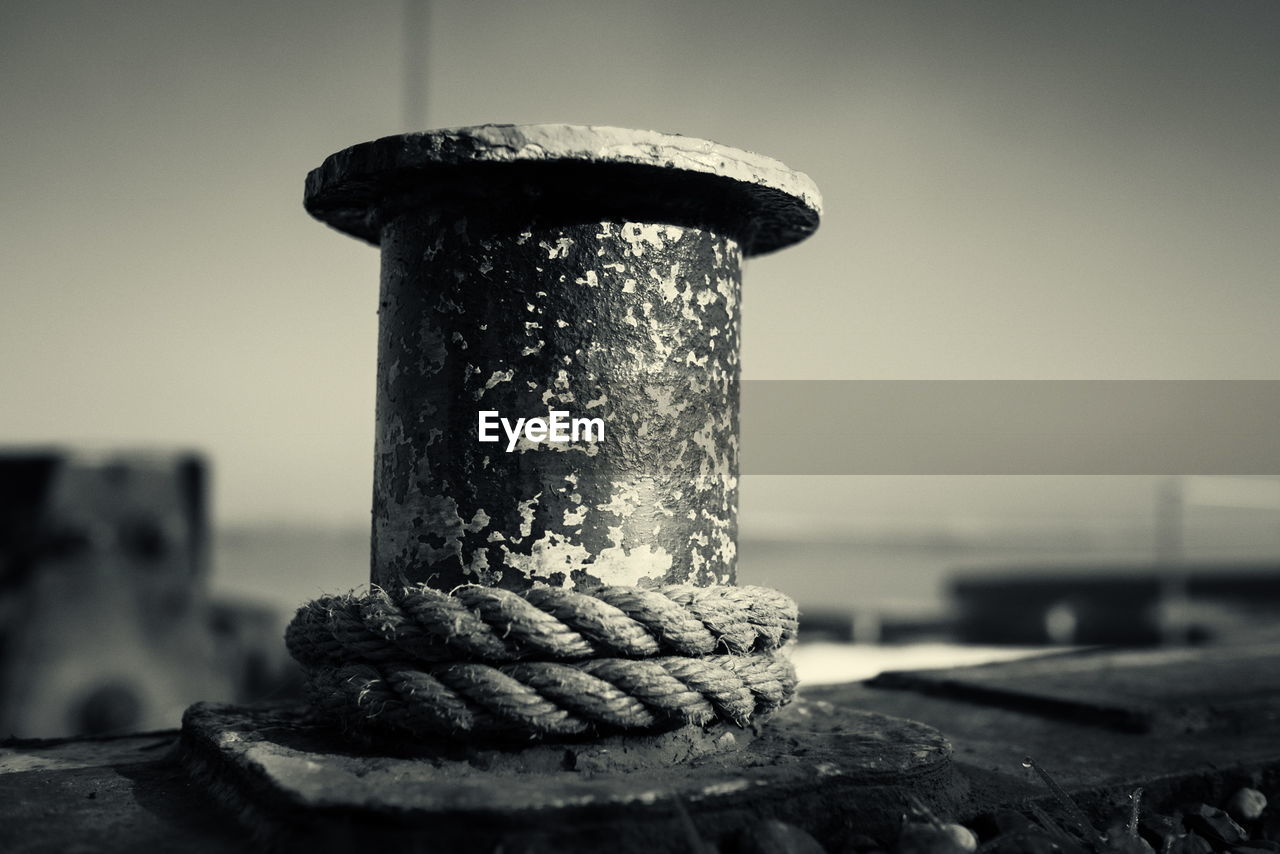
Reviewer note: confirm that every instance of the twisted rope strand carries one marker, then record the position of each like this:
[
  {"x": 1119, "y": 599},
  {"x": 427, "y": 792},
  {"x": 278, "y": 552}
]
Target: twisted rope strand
[
  {"x": 553, "y": 698},
  {"x": 475, "y": 623},
  {"x": 650, "y": 683}
]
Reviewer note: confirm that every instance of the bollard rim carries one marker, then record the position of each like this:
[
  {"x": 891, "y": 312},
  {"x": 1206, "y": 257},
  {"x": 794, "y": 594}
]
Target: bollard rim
[{"x": 569, "y": 171}]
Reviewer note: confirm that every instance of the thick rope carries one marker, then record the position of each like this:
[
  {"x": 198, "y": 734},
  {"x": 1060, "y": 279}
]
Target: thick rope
[
  {"x": 490, "y": 624},
  {"x": 419, "y": 662},
  {"x": 552, "y": 698}
]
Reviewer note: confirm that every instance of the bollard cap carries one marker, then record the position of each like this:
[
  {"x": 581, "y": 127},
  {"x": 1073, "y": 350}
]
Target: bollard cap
[{"x": 570, "y": 172}]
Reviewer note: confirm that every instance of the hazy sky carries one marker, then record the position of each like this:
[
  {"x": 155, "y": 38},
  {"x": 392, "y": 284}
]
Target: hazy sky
[{"x": 1014, "y": 190}]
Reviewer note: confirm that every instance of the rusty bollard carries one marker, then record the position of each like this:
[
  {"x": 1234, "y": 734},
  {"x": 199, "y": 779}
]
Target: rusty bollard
[
  {"x": 553, "y": 654},
  {"x": 591, "y": 271}
]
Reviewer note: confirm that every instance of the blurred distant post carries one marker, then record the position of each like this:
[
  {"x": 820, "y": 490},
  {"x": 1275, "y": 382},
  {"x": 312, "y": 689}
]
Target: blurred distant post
[
  {"x": 416, "y": 20},
  {"x": 1173, "y": 618},
  {"x": 1169, "y": 522}
]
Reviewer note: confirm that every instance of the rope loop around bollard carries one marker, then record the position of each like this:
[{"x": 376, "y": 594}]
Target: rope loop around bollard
[{"x": 419, "y": 662}]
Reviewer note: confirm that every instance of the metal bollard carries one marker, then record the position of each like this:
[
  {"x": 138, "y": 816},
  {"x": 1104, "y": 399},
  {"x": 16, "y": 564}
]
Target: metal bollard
[
  {"x": 532, "y": 270},
  {"x": 528, "y": 271}
]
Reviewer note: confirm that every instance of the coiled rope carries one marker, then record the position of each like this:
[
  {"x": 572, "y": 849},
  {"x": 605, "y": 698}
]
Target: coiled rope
[{"x": 420, "y": 662}]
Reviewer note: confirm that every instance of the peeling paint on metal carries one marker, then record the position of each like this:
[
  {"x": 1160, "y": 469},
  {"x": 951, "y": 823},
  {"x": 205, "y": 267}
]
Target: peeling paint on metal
[
  {"x": 637, "y": 321},
  {"x": 512, "y": 282}
]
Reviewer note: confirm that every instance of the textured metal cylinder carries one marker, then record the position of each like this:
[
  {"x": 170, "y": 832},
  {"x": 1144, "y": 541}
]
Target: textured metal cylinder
[
  {"x": 633, "y": 323},
  {"x": 590, "y": 271}
]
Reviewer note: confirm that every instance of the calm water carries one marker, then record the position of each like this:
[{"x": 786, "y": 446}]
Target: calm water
[{"x": 286, "y": 565}]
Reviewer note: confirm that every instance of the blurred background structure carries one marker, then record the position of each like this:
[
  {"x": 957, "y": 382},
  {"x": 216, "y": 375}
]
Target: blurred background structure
[
  {"x": 106, "y": 624},
  {"x": 1027, "y": 190}
]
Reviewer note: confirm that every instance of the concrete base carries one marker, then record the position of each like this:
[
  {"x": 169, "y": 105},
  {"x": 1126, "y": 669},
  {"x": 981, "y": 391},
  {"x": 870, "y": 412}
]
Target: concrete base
[{"x": 831, "y": 770}]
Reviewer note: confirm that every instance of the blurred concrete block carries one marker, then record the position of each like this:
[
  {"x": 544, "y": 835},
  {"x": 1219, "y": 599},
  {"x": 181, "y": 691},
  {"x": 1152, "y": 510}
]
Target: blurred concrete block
[
  {"x": 1066, "y": 607},
  {"x": 1125, "y": 604}
]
